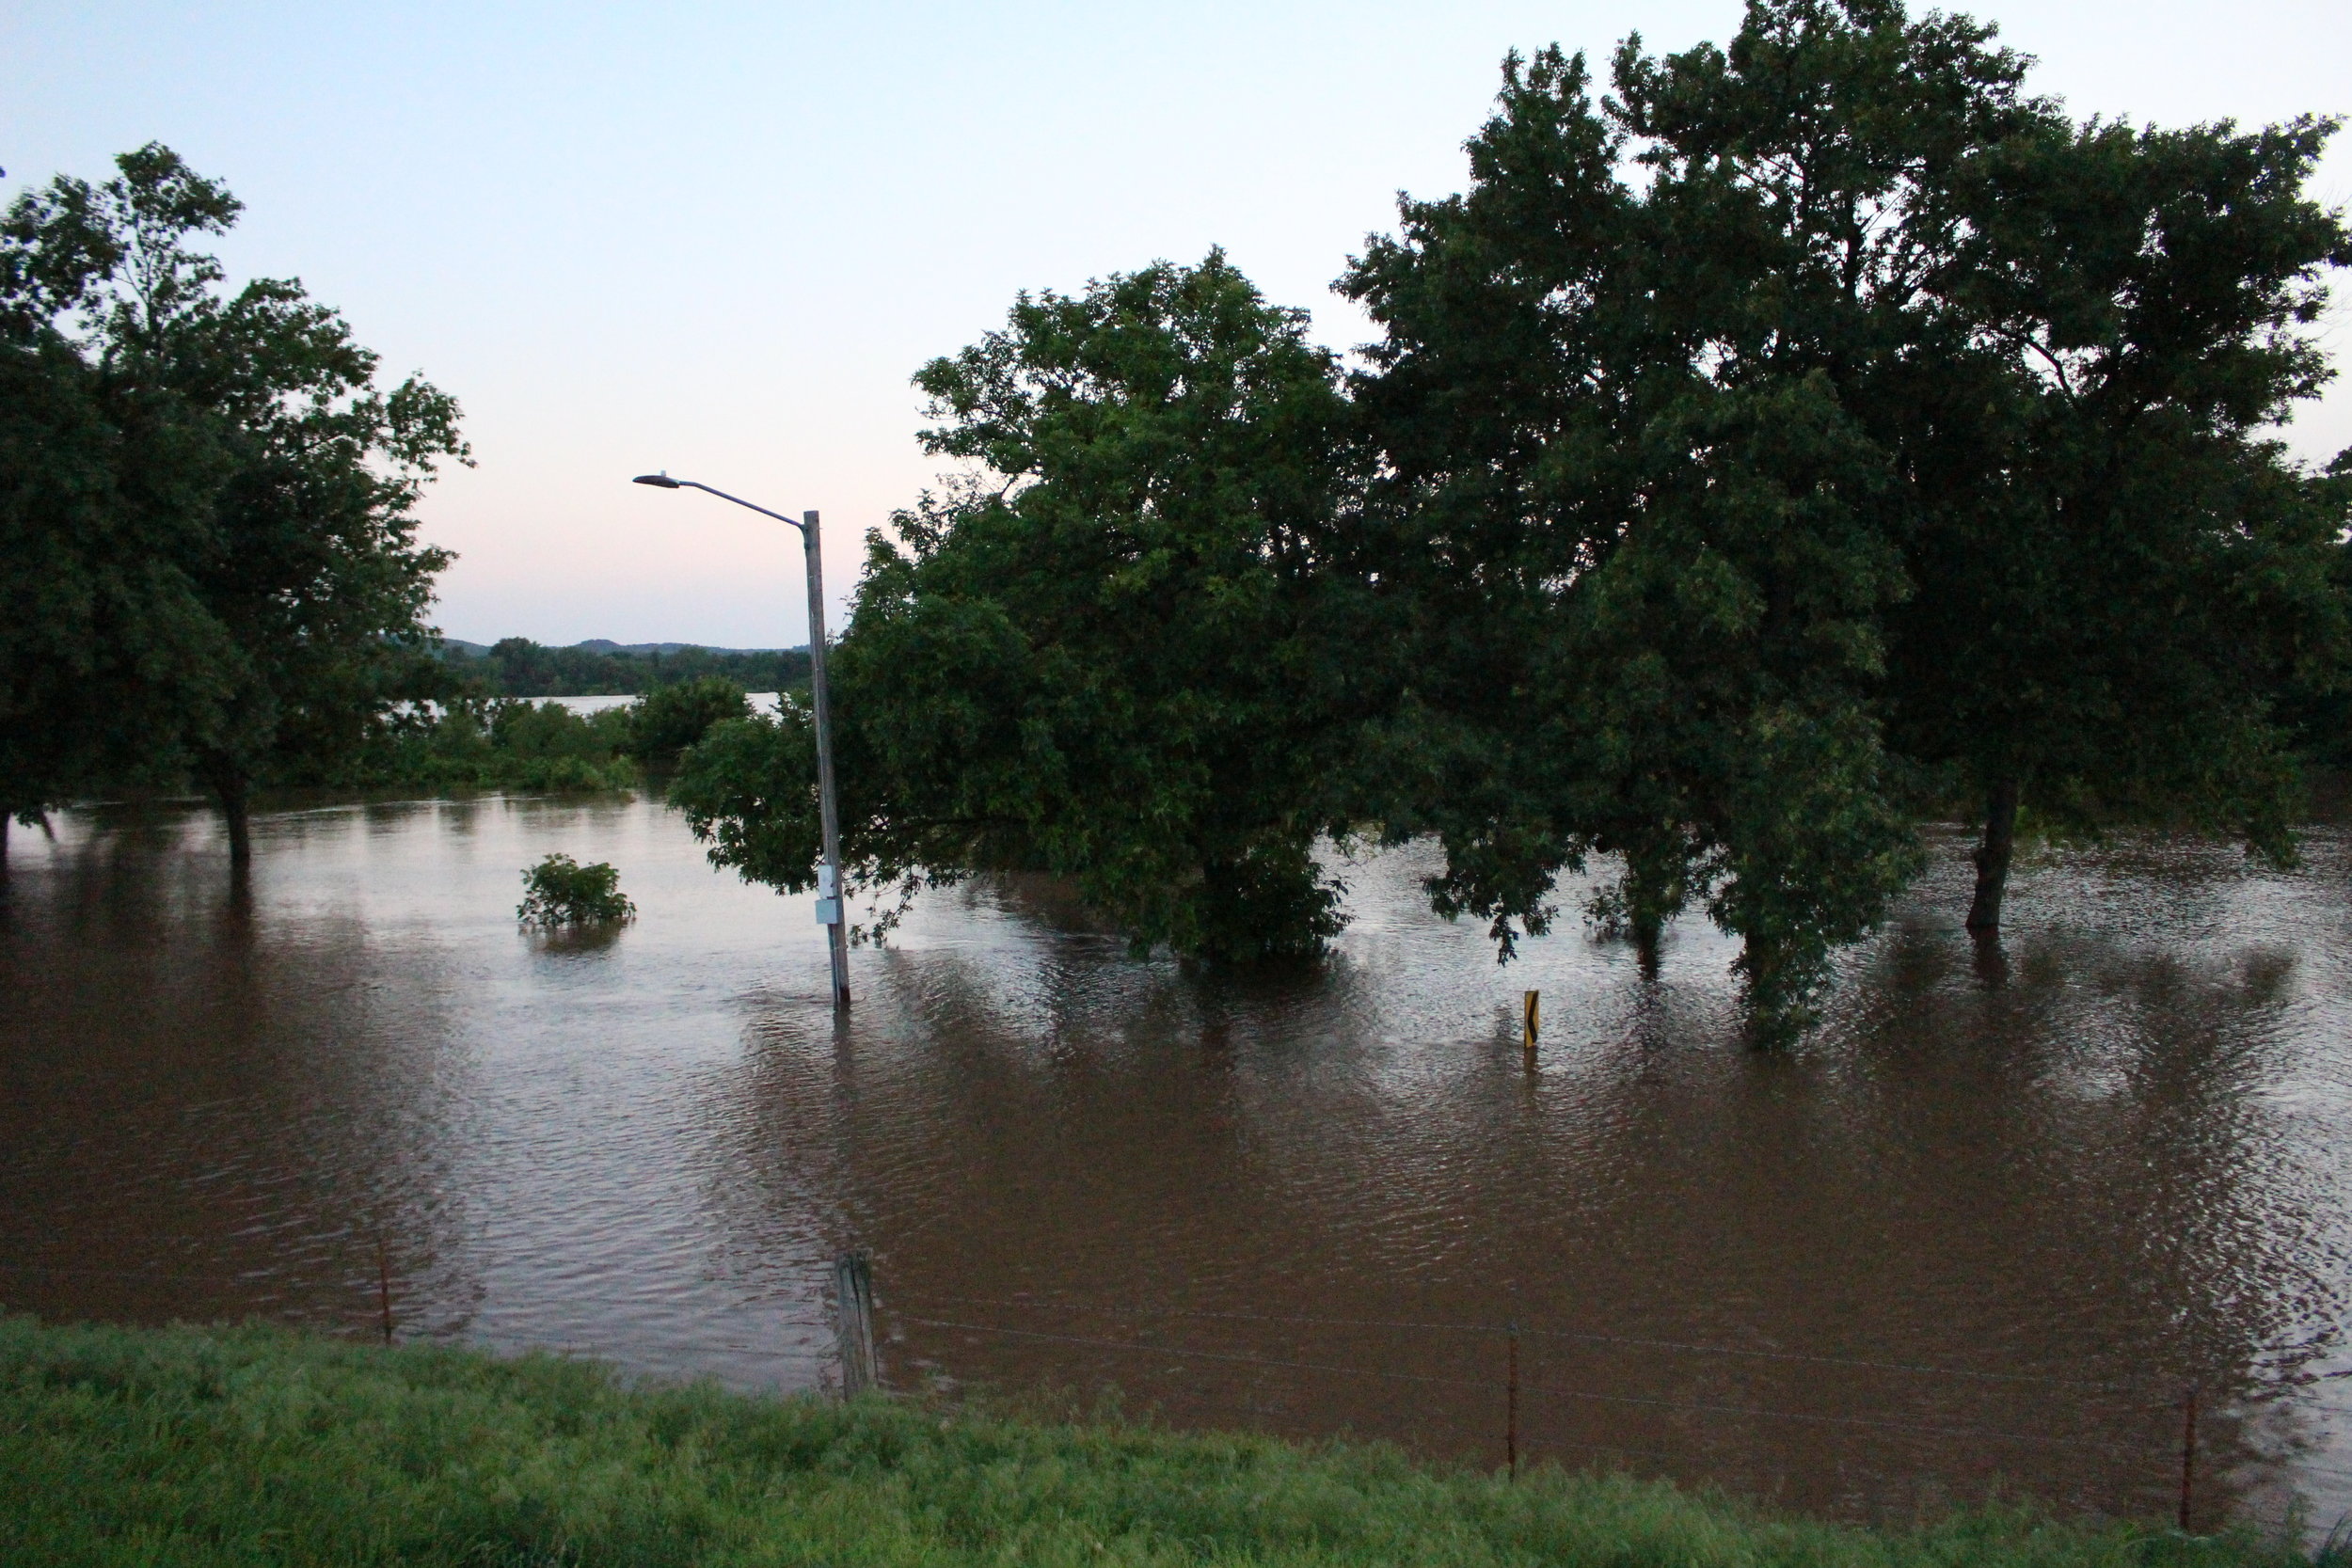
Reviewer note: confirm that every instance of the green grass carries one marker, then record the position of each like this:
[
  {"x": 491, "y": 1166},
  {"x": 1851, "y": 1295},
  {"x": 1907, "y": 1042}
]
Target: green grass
[{"x": 256, "y": 1445}]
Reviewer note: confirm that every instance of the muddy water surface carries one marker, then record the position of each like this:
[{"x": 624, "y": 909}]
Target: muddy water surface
[{"x": 1985, "y": 1228}]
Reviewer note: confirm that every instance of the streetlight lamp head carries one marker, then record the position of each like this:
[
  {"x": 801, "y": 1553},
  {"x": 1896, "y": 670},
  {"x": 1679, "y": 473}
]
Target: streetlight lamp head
[{"x": 662, "y": 482}]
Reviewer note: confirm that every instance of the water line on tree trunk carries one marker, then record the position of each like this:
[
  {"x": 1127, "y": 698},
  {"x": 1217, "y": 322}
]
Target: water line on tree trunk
[{"x": 1993, "y": 855}]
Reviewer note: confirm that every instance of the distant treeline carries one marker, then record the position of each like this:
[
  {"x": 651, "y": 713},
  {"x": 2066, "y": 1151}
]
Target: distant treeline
[
  {"x": 518, "y": 667},
  {"x": 514, "y": 743}
]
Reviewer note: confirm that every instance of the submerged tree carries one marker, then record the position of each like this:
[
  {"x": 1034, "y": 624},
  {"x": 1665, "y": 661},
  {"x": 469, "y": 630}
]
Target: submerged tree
[
  {"x": 231, "y": 526},
  {"x": 559, "y": 891},
  {"x": 1751, "y": 434},
  {"x": 1655, "y": 545},
  {"x": 99, "y": 621},
  {"x": 1125, "y": 648},
  {"x": 2120, "y": 570},
  {"x": 669, "y": 718}
]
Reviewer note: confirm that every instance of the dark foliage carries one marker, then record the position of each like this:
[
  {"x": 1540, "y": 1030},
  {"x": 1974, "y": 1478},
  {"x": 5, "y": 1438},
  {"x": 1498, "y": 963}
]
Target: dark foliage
[
  {"x": 209, "y": 506},
  {"x": 560, "y": 891},
  {"x": 672, "y": 718},
  {"x": 1131, "y": 651},
  {"x": 496, "y": 744},
  {"x": 1819, "y": 422}
]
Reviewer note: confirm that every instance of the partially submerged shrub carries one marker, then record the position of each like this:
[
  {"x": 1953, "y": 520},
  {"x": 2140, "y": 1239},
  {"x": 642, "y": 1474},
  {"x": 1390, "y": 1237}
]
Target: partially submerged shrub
[
  {"x": 672, "y": 718},
  {"x": 505, "y": 744},
  {"x": 547, "y": 746},
  {"x": 560, "y": 891}
]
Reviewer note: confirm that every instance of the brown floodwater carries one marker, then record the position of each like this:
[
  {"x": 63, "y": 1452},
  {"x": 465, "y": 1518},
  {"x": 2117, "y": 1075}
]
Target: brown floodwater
[{"x": 1981, "y": 1231}]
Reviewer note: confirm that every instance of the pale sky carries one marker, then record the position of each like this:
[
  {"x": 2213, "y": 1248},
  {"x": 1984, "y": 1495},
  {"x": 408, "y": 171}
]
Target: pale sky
[{"x": 719, "y": 239}]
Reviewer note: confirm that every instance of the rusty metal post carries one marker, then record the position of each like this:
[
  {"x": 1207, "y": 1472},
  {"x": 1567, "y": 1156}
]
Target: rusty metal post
[
  {"x": 853, "y": 1289},
  {"x": 384, "y": 1286},
  {"x": 2189, "y": 1455},
  {"x": 1510, "y": 1402}
]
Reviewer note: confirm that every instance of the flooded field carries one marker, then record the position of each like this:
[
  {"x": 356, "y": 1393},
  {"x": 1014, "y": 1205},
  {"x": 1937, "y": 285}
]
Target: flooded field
[{"x": 1986, "y": 1228}]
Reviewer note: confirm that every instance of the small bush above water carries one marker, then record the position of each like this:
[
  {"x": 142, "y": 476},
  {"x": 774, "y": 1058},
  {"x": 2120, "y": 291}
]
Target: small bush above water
[{"x": 560, "y": 892}]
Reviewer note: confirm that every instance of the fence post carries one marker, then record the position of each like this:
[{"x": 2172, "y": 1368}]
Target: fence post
[
  {"x": 1510, "y": 1402},
  {"x": 853, "y": 1289},
  {"x": 1529, "y": 1022},
  {"x": 384, "y": 1286},
  {"x": 2188, "y": 1454}
]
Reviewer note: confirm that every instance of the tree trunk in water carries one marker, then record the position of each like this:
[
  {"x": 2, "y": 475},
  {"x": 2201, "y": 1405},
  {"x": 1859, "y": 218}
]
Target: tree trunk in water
[
  {"x": 1992, "y": 964},
  {"x": 1775, "y": 1003},
  {"x": 1648, "y": 929},
  {"x": 1993, "y": 855},
  {"x": 230, "y": 786},
  {"x": 1653, "y": 890}
]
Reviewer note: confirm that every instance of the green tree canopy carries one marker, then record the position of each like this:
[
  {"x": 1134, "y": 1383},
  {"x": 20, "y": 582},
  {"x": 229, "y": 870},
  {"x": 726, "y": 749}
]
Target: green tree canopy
[
  {"x": 101, "y": 623},
  {"x": 672, "y": 718},
  {"x": 218, "y": 494},
  {"x": 1126, "y": 647},
  {"x": 1751, "y": 448},
  {"x": 2119, "y": 568},
  {"x": 1651, "y": 547}
]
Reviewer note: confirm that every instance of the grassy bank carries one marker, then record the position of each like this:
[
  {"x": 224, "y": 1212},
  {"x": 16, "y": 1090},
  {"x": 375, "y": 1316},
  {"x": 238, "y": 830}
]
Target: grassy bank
[{"x": 254, "y": 1446}]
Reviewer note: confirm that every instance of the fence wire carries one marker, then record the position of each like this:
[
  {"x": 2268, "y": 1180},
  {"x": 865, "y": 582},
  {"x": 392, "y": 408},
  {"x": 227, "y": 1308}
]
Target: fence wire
[
  {"x": 928, "y": 1309},
  {"x": 1505, "y": 1329}
]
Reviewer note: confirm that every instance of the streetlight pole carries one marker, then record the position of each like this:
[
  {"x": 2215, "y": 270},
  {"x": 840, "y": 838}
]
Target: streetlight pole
[{"x": 829, "y": 898}]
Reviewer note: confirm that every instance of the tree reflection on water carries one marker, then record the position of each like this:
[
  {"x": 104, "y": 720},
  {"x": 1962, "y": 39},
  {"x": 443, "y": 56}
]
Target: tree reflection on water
[{"x": 2073, "y": 1174}]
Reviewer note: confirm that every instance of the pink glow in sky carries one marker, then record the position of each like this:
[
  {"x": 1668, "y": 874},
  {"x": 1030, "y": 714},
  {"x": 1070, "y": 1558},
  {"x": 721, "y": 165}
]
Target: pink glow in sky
[{"x": 719, "y": 239}]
